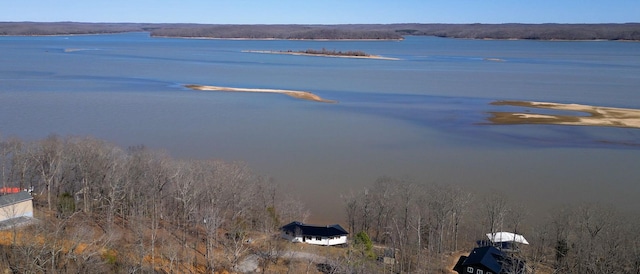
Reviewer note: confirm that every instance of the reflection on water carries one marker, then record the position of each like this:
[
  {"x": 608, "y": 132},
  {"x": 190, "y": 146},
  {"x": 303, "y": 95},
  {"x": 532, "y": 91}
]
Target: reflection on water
[{"x": 423, "y": 117}]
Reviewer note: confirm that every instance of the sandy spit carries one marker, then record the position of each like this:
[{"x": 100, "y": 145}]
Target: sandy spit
[
  {"x": 596, "y": 115},
  {"x": 304, "y": 95}
]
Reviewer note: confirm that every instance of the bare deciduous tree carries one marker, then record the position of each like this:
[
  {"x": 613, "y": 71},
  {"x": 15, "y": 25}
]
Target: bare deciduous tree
[{"x": 48, "y": 161}]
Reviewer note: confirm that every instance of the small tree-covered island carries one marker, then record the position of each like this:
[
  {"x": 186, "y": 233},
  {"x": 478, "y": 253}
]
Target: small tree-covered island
[{"x": 327, "y": 53}]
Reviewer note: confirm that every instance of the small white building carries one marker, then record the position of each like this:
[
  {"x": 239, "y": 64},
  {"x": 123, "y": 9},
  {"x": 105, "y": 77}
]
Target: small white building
[
  {"x": 15, "y": 206},
  {"x": 298, "y": 232}
]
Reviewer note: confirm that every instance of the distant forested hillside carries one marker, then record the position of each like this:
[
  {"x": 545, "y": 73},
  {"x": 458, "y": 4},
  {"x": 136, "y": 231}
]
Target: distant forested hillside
[
  {"x": 630, "y": 31},
  {"x": 277, "y": 32},
  {"x": 67, "y": 28}
]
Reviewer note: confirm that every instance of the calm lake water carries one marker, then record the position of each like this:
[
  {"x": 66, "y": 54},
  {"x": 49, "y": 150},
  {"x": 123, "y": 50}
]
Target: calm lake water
[{"x": 422, "y": 118}]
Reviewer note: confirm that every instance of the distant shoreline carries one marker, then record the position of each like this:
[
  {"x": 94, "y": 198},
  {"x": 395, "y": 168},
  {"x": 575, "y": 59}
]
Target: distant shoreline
[
  {"x": 344, "y": 32},
  {"x": 322, "y": 40},
  {"x": 303, "y": 95},
  {"x": 378, "y": 57},
  {"x": 598, "y": 116},
  {"x": 275, "y": 39}
]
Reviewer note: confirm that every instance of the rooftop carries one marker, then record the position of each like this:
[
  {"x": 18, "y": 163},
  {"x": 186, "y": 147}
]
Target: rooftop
[
  {"x": 10, "y": 199},
  {"x": 315, "y": 230}
]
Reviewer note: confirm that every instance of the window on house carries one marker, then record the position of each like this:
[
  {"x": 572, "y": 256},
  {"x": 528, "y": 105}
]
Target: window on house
[
  {"x": 318, "y": 238},
  {"x": 470, "y": 269},
  {"x": 480, "y": 271}
]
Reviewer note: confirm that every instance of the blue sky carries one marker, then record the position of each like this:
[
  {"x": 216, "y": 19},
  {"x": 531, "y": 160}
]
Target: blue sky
[{"x": 323, "y": 11}]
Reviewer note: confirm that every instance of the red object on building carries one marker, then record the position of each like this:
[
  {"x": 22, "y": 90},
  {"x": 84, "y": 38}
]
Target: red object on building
[{"x": 9, "y": 190}]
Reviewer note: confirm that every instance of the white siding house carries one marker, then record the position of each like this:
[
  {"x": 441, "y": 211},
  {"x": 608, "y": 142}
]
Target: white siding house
[
  {"x": 317, "y": 235},
  {"x": 15, "y": 206}
]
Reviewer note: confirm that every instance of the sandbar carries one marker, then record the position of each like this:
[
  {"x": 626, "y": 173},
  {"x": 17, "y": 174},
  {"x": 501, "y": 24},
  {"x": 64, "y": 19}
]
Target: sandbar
[
  {"x": 76, "y": 49},
  {"x": 378, "y": 57},
  {"x": 304, "y": 95},
  {"x": 594, "y": 115}
]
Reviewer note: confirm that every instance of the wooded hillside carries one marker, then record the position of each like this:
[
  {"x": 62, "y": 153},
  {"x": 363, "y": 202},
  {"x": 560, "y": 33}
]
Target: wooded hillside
[
  {"x": 525, "y": 31},
  {"x": 630, "y": 31},
  {"x": 111, "y": 210},
  {"x": 276, "y": 32},
  {"x": 103, "y": 209}
]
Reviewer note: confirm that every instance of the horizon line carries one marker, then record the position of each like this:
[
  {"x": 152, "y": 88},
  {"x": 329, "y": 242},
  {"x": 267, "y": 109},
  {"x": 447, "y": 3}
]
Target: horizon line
[{"x": 327, "y": 24}]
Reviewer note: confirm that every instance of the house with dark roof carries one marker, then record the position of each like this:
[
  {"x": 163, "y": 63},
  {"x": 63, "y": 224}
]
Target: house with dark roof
[
  {"x": 313, "y": 234},
  {"x": 498, "y": 255},
  {"x": 16, "y": 205},
  {"x": 481, "y": 260}
]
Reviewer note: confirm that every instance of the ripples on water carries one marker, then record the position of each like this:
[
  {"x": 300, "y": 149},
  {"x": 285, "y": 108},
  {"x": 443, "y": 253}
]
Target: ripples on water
[{"x": 423, "y": 117}]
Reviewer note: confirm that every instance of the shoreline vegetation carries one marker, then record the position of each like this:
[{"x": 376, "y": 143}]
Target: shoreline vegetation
[
  {"x": 144, "y": 211},
  {"x": 303, "y": 95},
  {"x": 597, "y": 115},
  {"x": 326, "y": 53},
  {"x": 567, "y": 32}
]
